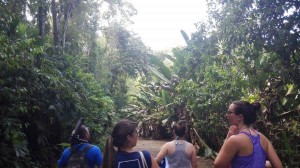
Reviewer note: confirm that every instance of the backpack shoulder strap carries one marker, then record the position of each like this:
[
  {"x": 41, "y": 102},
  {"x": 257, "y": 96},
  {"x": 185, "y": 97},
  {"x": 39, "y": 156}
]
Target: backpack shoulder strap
[
  {"x": 87, "y": 148},
  {"x": 77, "y": 155},
  {"x": 75, "y": 149},
  {"x": 85, "y": 151}
]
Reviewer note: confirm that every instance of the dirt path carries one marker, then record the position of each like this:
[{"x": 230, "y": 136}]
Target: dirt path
[{"x": 154, "y": 146}]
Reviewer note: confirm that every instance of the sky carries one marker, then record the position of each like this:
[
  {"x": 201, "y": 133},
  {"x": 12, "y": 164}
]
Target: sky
[{"x": 158, "y": 22}]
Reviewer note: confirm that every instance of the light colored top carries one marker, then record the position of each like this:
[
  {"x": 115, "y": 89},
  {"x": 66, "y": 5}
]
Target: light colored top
[
  {"x": 179, "y": 153},
  {"x": 179, "y": 158}
]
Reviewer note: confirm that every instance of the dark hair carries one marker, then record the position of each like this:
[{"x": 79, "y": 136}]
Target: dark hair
[
  {"x": 179, "y": 129},
  {"x": 118, "y": 139},
  {"x": 123, "y": 128},
  {"x": 249, "y": 111},
  {"x": 109, "y": 154},
  {"x": 83, "y": 130},
  {"x": 80, "y": 136}
]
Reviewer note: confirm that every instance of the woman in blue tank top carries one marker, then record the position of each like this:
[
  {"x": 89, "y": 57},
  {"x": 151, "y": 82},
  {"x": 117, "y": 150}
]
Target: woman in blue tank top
[
  {"x": 244, "y": 147},
  {"x": 123, "y": 138}
]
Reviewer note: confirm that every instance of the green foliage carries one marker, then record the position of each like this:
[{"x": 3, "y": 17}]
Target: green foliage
[
  {"x": 45, "y": 89},
  {"x": 248, "y": 50},
  {"x": 185, "y": 36},
  {"x": 39, "y": 103},
  {"x": 159, "y": 64},
  {"x": 252, "y": 51}
]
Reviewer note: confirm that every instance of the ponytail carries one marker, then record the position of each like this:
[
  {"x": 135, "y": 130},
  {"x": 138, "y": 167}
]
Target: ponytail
[
  {"x": 109, "y": 154},
  {"x": 117, "y": 139}
]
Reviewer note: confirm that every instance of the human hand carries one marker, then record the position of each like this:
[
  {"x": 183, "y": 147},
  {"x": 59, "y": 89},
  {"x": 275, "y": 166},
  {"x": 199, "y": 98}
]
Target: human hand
[
  {"x": 232, "y": 131},
  {"x": 268, "y": 164}
]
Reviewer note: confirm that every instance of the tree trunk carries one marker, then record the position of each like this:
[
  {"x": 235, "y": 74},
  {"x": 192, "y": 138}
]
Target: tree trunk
[
  {"x": 41, "y": 20},
  {"x": 67, "y": 14},
  {"x": 55, "y": 24},
  {"x": 24, "y": 7}
]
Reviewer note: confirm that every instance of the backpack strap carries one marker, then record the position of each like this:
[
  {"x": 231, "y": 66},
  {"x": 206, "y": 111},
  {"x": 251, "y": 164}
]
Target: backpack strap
[
  {"x": 75, "y": 149},
  {"x": 85, "y": 150}
]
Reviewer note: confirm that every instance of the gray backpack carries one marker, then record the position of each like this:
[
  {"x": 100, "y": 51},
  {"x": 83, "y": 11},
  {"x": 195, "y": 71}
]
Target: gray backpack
[{"x": 78, "y": 157}]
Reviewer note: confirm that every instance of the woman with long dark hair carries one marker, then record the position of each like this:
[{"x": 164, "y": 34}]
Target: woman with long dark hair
[
  {"x": 245, "y": 147},
  {"x": 119, "y": 146}
]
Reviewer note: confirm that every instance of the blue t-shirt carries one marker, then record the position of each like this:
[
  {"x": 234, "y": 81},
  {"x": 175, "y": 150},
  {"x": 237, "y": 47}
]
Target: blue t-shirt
[
  {"x": 93, "y": 156},
  {"x": 132, "y": 159}
]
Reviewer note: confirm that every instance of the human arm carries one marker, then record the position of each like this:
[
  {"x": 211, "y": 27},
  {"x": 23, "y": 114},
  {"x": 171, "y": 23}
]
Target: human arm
[
  {"x": 154, "y": 163},
  {"x": 227, "y": 152},
  {"x": 94, "y": 157},
  {"x": 63, "y": 160},
  {"x": 273, "y": 157},
  {"x": 99, "y": 159},
  {"x": 193, "y": 158},
  {"x": 268, "y": 164},
  {"x": 162, "y": 153}
]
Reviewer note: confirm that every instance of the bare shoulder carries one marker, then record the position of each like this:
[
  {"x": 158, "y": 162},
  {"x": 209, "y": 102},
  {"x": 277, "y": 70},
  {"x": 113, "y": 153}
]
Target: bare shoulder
[
  {"x": 236, "y": 140},
  {"x": 262, "y": 135},
  {"x": 264, "y": 140},
  {"x": 168, "y": 144},
  {"x": 189, "y": 144}
]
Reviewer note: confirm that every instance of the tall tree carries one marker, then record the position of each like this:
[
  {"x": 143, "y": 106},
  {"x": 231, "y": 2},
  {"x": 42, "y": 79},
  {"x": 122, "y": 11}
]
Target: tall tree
[
  {"x": 126, "y": 56},
  {"x": 41, "y": 17},
  {"x": 55, "y": 23}
]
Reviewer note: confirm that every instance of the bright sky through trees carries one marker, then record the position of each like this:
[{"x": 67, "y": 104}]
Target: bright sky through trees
[{"x": 159, "y": 22}]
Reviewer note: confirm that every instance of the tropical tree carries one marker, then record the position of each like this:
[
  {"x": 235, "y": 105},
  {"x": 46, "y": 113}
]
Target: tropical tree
[
  {"x": 255, "y": 44},
  {"x": 47, "y": 81},
  {"x": 247, "y": 50}
]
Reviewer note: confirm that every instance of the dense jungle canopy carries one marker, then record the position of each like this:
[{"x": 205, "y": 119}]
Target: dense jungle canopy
[{"x": 65, "y": 59}]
